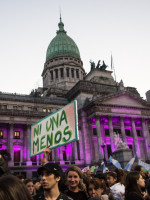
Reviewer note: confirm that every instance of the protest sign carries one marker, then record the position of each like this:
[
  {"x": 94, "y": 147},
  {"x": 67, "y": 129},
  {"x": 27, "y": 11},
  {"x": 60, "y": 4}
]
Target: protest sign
[
  {"x": 85, "y": 169},
  {"x": 57, "y": 129}
]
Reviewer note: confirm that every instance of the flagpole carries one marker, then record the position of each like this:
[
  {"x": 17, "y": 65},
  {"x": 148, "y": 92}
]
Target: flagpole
[{"x": 112, "y": 67}]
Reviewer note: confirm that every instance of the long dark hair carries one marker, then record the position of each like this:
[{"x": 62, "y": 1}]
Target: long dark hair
[
  {"x": 131, "y": 185},
  {"x": 11, "y": 188}
]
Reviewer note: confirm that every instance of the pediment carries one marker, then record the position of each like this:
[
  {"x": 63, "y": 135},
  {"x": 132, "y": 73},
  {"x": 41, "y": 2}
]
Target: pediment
[{"x": 125, "y": 99}]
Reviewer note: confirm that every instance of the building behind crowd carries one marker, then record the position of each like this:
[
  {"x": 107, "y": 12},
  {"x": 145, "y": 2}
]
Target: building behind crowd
[{"x": 104, "y": 107}]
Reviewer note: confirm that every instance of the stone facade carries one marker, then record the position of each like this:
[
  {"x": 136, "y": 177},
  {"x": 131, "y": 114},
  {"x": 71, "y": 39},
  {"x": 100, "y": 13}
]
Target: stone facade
[{"x": 104, "y": 107}]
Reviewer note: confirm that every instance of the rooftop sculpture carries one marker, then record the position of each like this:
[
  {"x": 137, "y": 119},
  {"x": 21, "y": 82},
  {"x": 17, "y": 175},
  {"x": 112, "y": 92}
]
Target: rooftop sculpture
[{"x": 98, "y": 66}]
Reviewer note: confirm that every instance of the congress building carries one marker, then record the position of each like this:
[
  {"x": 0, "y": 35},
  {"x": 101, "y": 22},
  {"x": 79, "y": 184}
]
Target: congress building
[{"x": 105, "y": 107}]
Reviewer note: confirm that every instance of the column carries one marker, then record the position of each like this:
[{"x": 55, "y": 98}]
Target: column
[
  {"x": 81, "y": 141},
  {"x": 53, "y": 155},
  {"x": 21, "y": 154},
  {"x": 123, "y": 130},
  {"x": 59, "y": 74},
  {"x": 65, "y": 73},
  {"x": 73, "y": 151},
  {"x": 80, "y": 74},
  {"x": 61, "y": 155},
  {"x": 24, "y": 144},
  {"x": 54, "y": 75},
  {"x": 148, "y": 134},
  {"x": 99, "y": 136},
  {"x": 94, "y": 154},
  {"x": 56, "y": 155},
  {"x": 111, "y": 132},
  {"x": 86, "y": 139},
  {"x": 28, "y": 162},
  {"x": 146, "y": 139},
  {"x": 10, "y": 143},
  {"x": 38, "y": 160},
  {"x": 135, "y": 139},
  {"x": 48, "y": 78}
]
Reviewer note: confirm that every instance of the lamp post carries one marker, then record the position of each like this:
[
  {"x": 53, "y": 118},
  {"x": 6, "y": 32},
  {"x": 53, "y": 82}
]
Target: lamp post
[{"x": 103, "y": 147}]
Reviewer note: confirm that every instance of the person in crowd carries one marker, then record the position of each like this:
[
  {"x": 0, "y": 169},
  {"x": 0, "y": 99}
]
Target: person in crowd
[
  {"x": 101, "y": 176},
  {"x": 134, "y": 185},
  {"x": 148, "y": 190},
  {"x": 121, "y": 175},
  {"x": 96, "y": 188},
  {"x": 116, "y": 188},
  {"x": 138, "y": 168},
  {"x": 74, "y": 177},
  {"x": 30, "y": 186},
  {"x": 11, "y": 188},
  {"x": 51, "y": 174},
  {"x": 21, "y": 177},
  {"x": 3, "y": 166},
  {"x": 37, "y": 185}
]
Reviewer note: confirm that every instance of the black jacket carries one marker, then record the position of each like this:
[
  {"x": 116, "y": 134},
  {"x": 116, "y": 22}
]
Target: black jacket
[{"x": 60, "y": 197}]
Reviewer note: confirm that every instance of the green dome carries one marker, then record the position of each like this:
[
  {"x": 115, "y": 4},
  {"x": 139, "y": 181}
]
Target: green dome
[{"x": 62, "y": 45}]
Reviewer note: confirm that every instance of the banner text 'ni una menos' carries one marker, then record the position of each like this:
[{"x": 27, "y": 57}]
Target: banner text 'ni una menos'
[{"x": 57, "y": 129}]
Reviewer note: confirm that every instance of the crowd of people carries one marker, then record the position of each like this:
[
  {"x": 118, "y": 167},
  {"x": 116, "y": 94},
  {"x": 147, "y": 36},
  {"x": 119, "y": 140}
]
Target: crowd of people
[{"x": 52, "y": 183}]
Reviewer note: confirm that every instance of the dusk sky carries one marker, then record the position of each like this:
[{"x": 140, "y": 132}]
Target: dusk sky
[{"x": 98, "y": 27}]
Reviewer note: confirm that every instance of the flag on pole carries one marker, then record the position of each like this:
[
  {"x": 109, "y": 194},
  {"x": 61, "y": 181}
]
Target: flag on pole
[
  {"x": 130, "y": 163},
  {"x": 85, "y": 169},
  {"x": 144, "y": 165},
  {"x": 112, "y": 67},
  {"x": 115, "y": 162},
  {"x": 111, "y": 62}
]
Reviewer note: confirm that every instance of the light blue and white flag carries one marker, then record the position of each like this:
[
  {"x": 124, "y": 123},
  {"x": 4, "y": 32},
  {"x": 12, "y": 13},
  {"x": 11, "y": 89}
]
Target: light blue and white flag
[
  {"x": 115, "y": 162},
  {"x": 104, "y": 168},
  {"x": 130, "y": 163},
  {"x": 144, "y": 165}
]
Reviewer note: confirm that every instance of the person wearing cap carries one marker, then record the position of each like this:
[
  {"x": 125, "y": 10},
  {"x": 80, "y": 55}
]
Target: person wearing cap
[{"x": 51, "y": 174}]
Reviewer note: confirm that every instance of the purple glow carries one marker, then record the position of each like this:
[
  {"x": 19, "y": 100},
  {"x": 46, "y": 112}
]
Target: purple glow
[
  {"x": 115, "y": 120},
  {"x": 127, "y": 121},
  {"x": 2, "y": 147},
  {"x": 104, "y": 119},
  {"x": 93, "y": 119},
  {"x": 107, "y": 140},
  {"x": 68, "y": 150},
  {"x": 129, "y": 140},
  {"x": 138, "y": 122},
  {"x": 16, "y": 148}
]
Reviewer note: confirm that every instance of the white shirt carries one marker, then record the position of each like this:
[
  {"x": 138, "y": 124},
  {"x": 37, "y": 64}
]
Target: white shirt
[{"x": 118, "y": 190}]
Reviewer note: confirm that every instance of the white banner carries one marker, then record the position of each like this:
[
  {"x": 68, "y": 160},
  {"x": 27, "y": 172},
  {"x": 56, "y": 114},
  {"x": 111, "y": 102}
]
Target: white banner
[{"x": 57, "y": 129}]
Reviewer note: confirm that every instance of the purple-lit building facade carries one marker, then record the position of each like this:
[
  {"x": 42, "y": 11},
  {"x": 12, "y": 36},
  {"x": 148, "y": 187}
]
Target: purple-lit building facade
[{"x": 104, "y": 107}]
